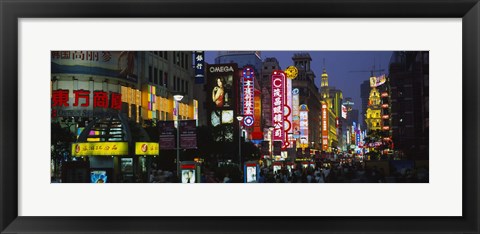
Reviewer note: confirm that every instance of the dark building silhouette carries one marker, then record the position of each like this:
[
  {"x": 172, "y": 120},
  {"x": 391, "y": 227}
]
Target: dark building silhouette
[{"x": 409, "y": 75}]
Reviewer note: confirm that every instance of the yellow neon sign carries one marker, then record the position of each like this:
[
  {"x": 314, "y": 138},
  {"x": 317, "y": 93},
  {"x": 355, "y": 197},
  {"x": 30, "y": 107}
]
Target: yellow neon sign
[
  {"x": 99, "y": 149},
  {"x": 146, "y": 148}
]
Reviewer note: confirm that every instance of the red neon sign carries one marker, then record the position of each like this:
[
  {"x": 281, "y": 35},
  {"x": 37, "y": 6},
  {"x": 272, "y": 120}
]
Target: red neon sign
[{"x": 278, "y": 103}]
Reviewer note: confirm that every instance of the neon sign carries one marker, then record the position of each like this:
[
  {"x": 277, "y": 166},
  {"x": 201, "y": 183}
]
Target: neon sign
[
  {"x": 278, "y": 103},
  {"x": 248, "y": 96}
]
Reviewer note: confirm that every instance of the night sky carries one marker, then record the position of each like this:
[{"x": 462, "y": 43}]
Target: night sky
[{"x": 338, "y": 65}]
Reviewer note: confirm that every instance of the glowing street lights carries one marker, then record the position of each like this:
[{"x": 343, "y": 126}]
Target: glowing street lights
[
  {"x": 177, "y": 99},
  {"x": 240, "y": 118}
]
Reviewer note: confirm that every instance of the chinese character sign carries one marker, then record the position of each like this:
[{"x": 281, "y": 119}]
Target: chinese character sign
[
  {"x": 324, "y": 126},
  {"x": 296, "y": 113},
  {"x": 288, "y": 112},
  {"x": 188, "y": 134},
  {"x": 248, "y": 96},
  {"x": 121, "y": 65},
  {"x": 303, "y": 126},
  {"x": 166, "y": 134},
  {"x": 199, "y": 67},
  {"x": 101, "y": 99},
  {"x": 100, "y": 149},
  {"x": 278, "y": 103}
]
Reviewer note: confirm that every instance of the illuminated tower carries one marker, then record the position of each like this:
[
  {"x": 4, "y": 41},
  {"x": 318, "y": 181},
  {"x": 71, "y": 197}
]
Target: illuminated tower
[{"x": 373, "y": 114}]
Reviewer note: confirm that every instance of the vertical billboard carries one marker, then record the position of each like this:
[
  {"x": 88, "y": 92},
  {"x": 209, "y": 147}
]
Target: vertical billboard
[
  {"x": 247, "y": 93},
  {"x": 221, "y": 80},
  {"x": 344, "y": 112},
  {"x": 199, "y": 67},
  {"x": 166, "y": 135},
  {"x": 296, "y": 113},
  {"x": 288, "y": 113},
  {"x": 188, "y": 134},
  {"x": 324, "y": 126},
  {"x": 303, "y": 126},
  {"x": 278, "y": 105},
  {"x": 257, "y": 113}
]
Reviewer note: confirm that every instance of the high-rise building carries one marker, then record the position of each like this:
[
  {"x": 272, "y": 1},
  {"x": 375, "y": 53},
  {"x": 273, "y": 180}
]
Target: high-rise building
[
  {"x": 373, "y": 114},
  {"x": 409, "y": 79},
  {"x": 364, "y": 95}
]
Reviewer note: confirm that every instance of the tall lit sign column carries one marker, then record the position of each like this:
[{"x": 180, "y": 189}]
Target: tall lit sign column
[
  {"x": 278, "y": 103},
  {"x": 324, "y": 127},
  {"x": 303, "y": 126},
  {"x": 248, "y": 96}
]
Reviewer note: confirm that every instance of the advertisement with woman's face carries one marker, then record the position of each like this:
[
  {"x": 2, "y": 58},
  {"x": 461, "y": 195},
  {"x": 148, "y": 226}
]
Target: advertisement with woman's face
[{"x": 222, "y": 91}]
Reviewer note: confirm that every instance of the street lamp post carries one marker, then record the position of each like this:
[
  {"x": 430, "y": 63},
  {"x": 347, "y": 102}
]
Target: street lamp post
[
  {"x": 240, "y": 118},
  {"x": 177, "y": 99}
]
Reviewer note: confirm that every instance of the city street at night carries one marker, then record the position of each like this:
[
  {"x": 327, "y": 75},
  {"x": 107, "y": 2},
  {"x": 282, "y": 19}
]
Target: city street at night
[{"x": 239, "y": 117}]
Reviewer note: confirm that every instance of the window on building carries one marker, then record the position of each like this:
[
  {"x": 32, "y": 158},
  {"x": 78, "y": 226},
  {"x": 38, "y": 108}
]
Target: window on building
[
  {"x": 150, "y": 75},
  {"x": 165, "y": 55},
  {"x": 182, "y": 61},
  {"x": 155, "y": 75},
  {"x": 178, "y": 83},
  {"x": 186, "y": 60},
  {"x": 166, "y": 79},
  {"x": 186, "y": 86},
  {"x": 183, "y": 86},
  {"x": 160, "y": 77},
  {"x": 175, "y": 83}
]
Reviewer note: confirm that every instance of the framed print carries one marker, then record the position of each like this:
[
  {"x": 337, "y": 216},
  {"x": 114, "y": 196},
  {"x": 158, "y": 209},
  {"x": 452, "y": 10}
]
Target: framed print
[{"x": 266, "y": 116}]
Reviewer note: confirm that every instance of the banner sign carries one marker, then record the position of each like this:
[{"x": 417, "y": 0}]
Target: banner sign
[
  {"x": 296, "y": 113},
  {"x": 248, "y": 77},
  {"x": 116, "y": 64},
  {"x": 278, "y": 105},
  {"x": 166, "y": 135},
  {"x": 303, "y": 126},
  {"x": 199, "y": 67},
  {"x": 288, "y": 114},
  {"x": 257, "y": 112},
  {"x": 324, "y": 127},
  {"x": 146, "y": 148},
  {"x": 99, "y": 149},
  {"x": 101, "y": 99},
  {"x": 188, "y": 134}
]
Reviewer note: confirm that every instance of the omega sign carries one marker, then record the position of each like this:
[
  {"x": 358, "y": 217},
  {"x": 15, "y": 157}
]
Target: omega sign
[{"x": 221, "y": 69}]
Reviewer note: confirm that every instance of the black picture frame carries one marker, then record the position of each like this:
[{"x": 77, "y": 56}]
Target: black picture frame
[{"x": 11, "y": 11}]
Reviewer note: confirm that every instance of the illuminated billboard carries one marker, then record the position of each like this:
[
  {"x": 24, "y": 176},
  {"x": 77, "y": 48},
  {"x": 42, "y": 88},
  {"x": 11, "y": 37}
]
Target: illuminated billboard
[
  {"x": 278, "y": 105},
  {"x": 296, "y": 113},
  {"x": 344, "y": 112},
  {"x": 303, "y": 126},
  {"x": 288, "y": 114},
  {"x": 324, "y": 126},
  {"x": 99, "y": 149},
  {"x": 221, "y": 98},
  {"x": 248, "y": 76},
  {"x": 113, "y": 64},
  {"x": 146, "y": 148},
  {"x": 377, "y": 81}
]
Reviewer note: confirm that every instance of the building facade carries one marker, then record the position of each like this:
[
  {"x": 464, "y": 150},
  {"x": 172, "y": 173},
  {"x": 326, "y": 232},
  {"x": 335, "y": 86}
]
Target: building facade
[
  {"x": 309, "y": 95},
  {"x": 409, "y": 76}
]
